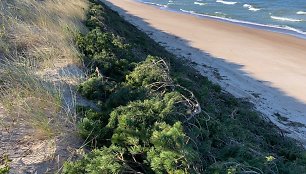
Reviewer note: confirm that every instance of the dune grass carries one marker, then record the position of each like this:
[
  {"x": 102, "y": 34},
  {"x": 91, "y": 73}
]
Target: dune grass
[{"x": 36, "y": 36}]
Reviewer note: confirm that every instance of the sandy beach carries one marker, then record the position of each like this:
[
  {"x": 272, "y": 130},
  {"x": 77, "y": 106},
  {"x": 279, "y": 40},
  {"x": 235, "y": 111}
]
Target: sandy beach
[{"x": 269, "y": 69}]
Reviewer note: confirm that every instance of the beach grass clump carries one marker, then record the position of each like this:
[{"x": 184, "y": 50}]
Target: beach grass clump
[
  {"x": 35, "y": 37},
  {"x": 162, "y": 116},
  {"x": 30, "y": 100},
  {"x": 4, "y": 164}
]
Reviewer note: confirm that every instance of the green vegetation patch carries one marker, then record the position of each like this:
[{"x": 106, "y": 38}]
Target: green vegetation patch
[
  {"x": 158, "y": 115},
  {"x": 4, "y": 164}
]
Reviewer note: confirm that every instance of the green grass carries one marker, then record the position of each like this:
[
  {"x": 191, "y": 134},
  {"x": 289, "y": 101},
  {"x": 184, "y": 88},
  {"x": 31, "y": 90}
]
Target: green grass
[
  {"x": 154, "y": 95},
  {"x": 4, "y": 164}
]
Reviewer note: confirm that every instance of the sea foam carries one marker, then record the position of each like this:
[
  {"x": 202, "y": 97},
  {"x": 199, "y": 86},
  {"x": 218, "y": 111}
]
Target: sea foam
[
  {"x": 276, "y": 28},
  {"x": 156, "y": 4},
  {"x": 286, "y": 19},
  {"x": 191, "y": 12},
  {"x": 199, "y": 3},
  {"x": 250, "y": 7},
  {"x": 301, "y": 12},
  {"x": 292, "y": 25},
  {"x": 226, "y": 2}
]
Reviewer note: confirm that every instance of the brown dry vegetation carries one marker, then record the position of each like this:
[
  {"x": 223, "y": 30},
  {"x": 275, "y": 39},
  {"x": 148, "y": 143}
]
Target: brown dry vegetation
[{"x": 38, "y": 59}]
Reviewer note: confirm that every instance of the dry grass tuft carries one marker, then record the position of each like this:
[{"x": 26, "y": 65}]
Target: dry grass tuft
[{"x": 36, "y": 36}]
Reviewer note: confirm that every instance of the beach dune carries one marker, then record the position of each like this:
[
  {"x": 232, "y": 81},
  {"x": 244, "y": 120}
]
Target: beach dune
[{"x": 266, "y": 67}]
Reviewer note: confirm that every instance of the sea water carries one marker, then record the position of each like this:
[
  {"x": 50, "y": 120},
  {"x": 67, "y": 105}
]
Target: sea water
[{"x": 284, "y": 16}]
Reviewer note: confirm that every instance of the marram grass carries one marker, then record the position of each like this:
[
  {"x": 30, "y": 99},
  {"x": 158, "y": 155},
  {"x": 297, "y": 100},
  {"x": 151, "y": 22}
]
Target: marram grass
[{"x": 36, "y": 36}]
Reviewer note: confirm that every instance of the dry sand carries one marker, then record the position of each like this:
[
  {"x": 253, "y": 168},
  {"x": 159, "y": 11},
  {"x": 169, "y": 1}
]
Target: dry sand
[{"x": 267, "y": 68}]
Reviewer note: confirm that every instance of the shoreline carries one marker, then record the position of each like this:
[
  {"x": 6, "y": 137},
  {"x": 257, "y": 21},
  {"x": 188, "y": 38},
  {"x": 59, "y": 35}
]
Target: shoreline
[
  {"x": 253, "y": 25},
  {"x": 266, "y": 68}
]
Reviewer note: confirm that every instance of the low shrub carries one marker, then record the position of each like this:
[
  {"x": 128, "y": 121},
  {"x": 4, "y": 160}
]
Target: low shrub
[
  {"x": 106, "y": 52},
  {"x": 149, "y": 123},
  {"x": 97, "y": 88}
]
